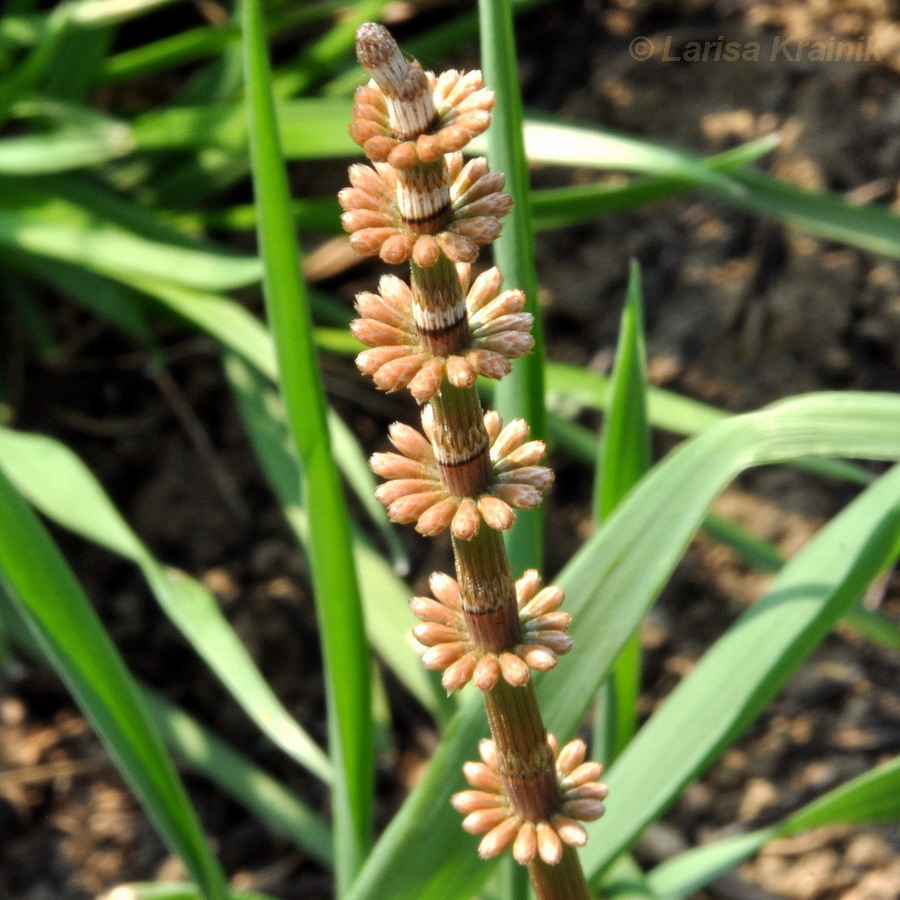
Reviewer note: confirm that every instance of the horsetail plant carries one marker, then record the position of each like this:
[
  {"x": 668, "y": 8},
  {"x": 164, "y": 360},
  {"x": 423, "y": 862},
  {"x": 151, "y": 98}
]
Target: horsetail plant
[{"x": 421, "y": 203}]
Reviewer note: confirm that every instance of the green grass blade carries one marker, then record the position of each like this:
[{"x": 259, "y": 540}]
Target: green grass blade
[
  {"x": 355, "y": 467},
  {"x": 521, "y": 393},
  {"x": 76, "y": 64},
  {"x": 48, "y": 153},
  {"x": 321, "y": 215},
  {"x": 874, "y": 626},
  {"x": 55, "y": 480},
  {"x": 871, "y": 625},
  {"x": 72, "y": 638},
  {"x": 572, "y": 145},
  {"x": 76, "y": 223},
  {"x": 625, "y": 456},
  {"x": 625, "y": 444},
  {"x": 195, "y": 44},
  {"x": 559, "y": 207},
  {"x": 624, "y": 880},
  {"x": 97, "y": 13},
  {"x": 629, "y": 560},
  {"x": 680, "y": 415},
  {"x": 338, "y": 602},
  {"x": 22, "y": 300},
  {"x": 23, "y": 79},
  {"x": 103, "y": 297},
  {"x": 743, "y": 670},
  {"x": 872, "y": 228},
  {"x": 186, "y": 46},
  {"x": 869, "y": 798}
]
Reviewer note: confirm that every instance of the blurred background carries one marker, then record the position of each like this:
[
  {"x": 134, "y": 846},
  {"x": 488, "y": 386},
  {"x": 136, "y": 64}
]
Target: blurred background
[{"x": 742, "y": 309}]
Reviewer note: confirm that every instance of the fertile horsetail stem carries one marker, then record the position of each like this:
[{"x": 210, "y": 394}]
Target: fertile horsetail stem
[{"x": 420, "y": 202}]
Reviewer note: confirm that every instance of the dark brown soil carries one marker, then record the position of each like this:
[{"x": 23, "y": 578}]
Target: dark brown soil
[{"x": 740, "y": 311}]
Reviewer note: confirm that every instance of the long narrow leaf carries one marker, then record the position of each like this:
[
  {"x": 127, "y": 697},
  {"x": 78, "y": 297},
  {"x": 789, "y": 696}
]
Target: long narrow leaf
[
  {"x": 334, "y": 574},
  {"x": 91, "y": 229},
  {"x": 71, "y": 636},
  {"x": 743, "y": 670},
  {"x": 56, "y": 481},
  {"x": 625, "y": 444},
  {"x": 680, "y": 415}
]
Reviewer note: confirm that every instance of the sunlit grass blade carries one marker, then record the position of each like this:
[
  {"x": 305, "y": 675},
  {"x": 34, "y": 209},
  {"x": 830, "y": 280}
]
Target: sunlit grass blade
[
  {"x": 625, "y": 442},
  {"x": 346, "y": 653},
  {"x": 97, "y": 13},
  {"x": 870, "y": 227},
  {"x": 869, "y": 798},
  {"x": 559, "y": 207},
  {"x": 568, "y": 384},
  {"x": 737, "y": 677},
  {"x": 758, "y": 554},
  {"x": 573, "y": 145},
  {"x": 73, "y": 221},
  {"x": 70, "y": 635},
  {"x": 64, "y": 489},
  {"x": 42, "y": 154},
  {"x": 609, "y": 584},
  {"x": 520, "y": 394},
  {"x": 384, "y": 594},
  {"x": 624, "y": 457}
]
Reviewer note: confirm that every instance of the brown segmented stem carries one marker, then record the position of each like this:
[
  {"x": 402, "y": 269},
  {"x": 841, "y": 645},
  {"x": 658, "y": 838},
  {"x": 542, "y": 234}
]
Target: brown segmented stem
[
  {"x": 460, "y": 441},
  {"x": 487, "y": 590},
  {"x": 473, "y": 499},
  {"x": 565, "y": 880},
  {"x": 439, "y": 308},
  {"x": 525, "y": 759},
  {"x": 423, "y": 198}
]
